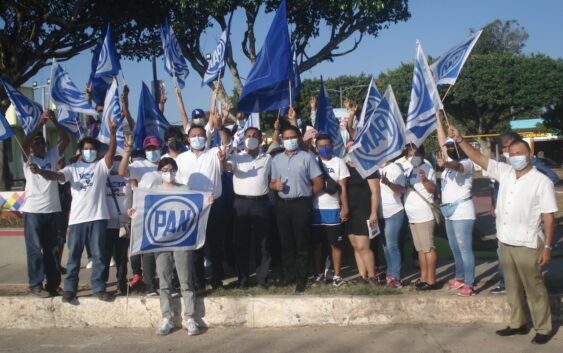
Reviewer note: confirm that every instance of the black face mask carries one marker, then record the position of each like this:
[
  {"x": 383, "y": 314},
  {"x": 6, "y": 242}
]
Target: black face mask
[
  {"x": 175, "y": 145},
  {"x": 453, "y": 154}
]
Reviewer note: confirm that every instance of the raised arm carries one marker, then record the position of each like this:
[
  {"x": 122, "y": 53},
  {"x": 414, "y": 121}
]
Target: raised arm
[
  {"x": 108, "y": 157},
  {"x": 63, "y": 136},
  {"x": 313, "y": 104},
  {"x": 125, "y": 112},
  {"x": 182, "y": 108},
  {"x": 470, "y": 151},
  {"x": 123, "y": 169},
  {"x": 276, "y": 133}
]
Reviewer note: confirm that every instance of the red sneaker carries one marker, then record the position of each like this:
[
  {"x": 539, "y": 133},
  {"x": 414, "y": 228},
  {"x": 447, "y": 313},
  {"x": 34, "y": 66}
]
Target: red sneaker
[
  {"x": 466, "y": 291},
  {"x": 455, "y": 284},
  {"x": 135, "y": 280}
]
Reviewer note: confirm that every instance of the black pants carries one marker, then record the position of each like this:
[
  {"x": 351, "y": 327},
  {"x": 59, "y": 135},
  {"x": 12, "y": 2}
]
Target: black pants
[
  {"x": 136, "y": 265},
  {"x": 252, "y": 218},
  {"x": 117, "y": 247},
  {"x": 149, "y": 271},
  {"x": 294, "y": 224},
  {"x": 214, "y": 246}
]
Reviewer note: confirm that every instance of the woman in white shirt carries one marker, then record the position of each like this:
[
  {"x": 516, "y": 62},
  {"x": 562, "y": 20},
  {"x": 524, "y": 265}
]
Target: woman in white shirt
[{"x": 458, "y": 210}]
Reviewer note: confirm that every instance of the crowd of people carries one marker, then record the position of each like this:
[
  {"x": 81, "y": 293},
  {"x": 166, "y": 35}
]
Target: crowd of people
[{"x": 290, "y": 202}]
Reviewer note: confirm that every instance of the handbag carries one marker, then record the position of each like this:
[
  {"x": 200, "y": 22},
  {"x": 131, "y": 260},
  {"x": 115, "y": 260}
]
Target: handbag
[
  {"x": 330, "y": 186},
  {"x": 448, "y": 209}
]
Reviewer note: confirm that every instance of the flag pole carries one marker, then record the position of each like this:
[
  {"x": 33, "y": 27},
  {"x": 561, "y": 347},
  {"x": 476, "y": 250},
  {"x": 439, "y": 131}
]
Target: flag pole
[
  {"x": 445, "y": 95},
  {"x": 448, "y": 123},
  {"x": 289, "y": 85},
  {"x": 21, "y": 147}
]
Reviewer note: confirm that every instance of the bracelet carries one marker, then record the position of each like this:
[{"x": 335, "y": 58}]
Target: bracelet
[
  {"x": 548, "y": 247},
  {"x": 460, "y": 141}
]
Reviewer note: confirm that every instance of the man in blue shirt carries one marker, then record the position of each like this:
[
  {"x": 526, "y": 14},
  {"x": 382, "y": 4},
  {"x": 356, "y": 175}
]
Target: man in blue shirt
[{"x": 296, "y": 177}]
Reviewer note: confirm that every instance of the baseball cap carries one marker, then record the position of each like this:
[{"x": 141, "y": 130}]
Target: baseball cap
[
  {"x": 151, "y": 141},
  {"x": 198, "y": 112}
]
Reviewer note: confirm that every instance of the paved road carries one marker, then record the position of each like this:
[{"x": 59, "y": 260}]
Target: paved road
[{"x": 400, "y": 338}]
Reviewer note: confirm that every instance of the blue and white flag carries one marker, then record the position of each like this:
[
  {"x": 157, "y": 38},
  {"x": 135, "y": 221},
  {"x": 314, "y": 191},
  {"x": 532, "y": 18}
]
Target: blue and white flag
[
  {"x": 267, "y": 86},
  {"x": 98, "y": 85},
  {"x": 447, "y": 68},
  {"x": 112, "y": 110},
  {"x": 65, "y": 94},
  {"x": 218, "y": 61},
  {"x": 370, "y": 103},
  {"x": 5, "y": 129},
  {"x": 28, "y": 112},
  {"x": 108, "y": 61},
  {"x": 382, "y": 138},
  {"x": 168, "y": 220},
  {"x": 70, "y": 121},
  {"x": 327, "y": 123},
  {"x": 253, "y": 120},
  {"x": 174, "y": 62},
  {"x": 150, "y": 121},
  {"x": 425, "y": 101}
]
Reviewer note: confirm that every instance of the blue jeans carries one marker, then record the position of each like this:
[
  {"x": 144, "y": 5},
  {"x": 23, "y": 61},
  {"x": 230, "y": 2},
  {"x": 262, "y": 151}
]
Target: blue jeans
[
  {"x": 460, "y": 237},
  {"x": 41, "y": 245},
  {"x": 94, "y": 234},
  {"x": 391, "y": 230}
]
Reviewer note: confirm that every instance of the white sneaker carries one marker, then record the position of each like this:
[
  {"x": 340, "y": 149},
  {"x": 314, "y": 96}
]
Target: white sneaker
[
  {"x": 89, "y": 264},
  {"x": 164, "y": 327},
  {"x": 112, "y": 262},
  {"x": 192, "y": 327}
]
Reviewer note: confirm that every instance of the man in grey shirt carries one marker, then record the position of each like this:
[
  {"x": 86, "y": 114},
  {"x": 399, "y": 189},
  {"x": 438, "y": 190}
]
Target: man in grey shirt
[{"x": 296, "y": 177}]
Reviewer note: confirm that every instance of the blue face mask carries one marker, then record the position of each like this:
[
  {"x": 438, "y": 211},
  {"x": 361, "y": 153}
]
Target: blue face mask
[
  {"x": 89, "y": 156},
  {"x": 197, "y": 142},
  {"x": 518, "y": 162},
  {"x": 152, "y": 156},
  {"x": 291, "y": 144},
  {"x": 326, "y": 152}
]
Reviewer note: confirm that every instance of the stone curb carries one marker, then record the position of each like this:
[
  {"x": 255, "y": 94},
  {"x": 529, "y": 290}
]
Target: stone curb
[{"x": 265, "y": 311}]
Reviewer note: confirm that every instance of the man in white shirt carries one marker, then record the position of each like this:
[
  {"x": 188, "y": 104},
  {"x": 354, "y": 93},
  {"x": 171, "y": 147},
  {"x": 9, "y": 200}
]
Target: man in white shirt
[
  {"x": 89, "y": 212},
  {"x": 40, "y": 210},
  {"x": 200, "y": 169},
  {"x": 251, "y": 177},
  {"x": 526, "y": 199}
]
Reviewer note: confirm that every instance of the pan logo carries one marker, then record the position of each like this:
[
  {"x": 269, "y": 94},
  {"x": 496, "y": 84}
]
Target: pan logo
[{"x": 171, "y": 220}]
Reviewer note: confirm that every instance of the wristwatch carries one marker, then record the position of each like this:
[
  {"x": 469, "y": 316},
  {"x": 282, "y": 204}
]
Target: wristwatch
[{"x": 548, "y": 247}]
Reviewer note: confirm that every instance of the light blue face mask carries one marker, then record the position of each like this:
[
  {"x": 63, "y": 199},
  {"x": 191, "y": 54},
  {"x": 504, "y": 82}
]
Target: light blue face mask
[
  {"x": 197, "y": 142},
  {"x": 152, "y": 156},
  {"x": 518, "y": 162},
  {"x": 89, "y": 156},
  {"x": 291, "y": 144}
]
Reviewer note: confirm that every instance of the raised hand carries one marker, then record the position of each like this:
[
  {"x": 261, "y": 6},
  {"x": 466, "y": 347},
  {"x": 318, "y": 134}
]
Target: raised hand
[
  {"x": 292, "y": 116},
  {"x": 313, "y": 103},
  {"x": 128, "y": 144},
  {"x": 221, "y": 154},
  {"x": 440, "y": 160},
  {"x": 113, "y": 126},
  {"x": 454, "y": 134}
]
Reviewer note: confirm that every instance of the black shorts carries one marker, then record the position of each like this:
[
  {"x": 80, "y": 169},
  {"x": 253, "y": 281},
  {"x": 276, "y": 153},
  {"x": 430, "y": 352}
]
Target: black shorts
[{"x": 334, "y": 234}]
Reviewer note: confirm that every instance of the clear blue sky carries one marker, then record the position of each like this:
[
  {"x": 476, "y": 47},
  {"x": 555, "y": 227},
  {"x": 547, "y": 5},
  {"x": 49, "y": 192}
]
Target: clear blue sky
[{"x": 438, "y": 24}]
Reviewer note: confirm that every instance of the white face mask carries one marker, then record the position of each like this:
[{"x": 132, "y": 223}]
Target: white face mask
[
  {"x": 251, "y": 143},
  {"x": 199, "y": 121},
  {"x": 168, "y": 177}
]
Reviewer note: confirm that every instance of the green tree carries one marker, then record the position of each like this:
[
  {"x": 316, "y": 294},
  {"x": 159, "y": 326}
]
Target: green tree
[{"x": 501, "y": 37}]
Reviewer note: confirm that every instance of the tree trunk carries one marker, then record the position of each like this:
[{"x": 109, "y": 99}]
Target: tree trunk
[{"x": 484, "y": 142}]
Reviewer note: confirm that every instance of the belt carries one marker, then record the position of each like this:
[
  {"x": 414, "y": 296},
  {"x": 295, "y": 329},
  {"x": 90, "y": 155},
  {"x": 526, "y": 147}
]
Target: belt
[
  {"x": 295, "y": 199},
  {"x": 243, "y": 197}
]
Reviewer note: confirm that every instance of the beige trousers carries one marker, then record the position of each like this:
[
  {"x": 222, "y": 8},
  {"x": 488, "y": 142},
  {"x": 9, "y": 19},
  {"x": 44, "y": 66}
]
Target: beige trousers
[{"x": 524, "y": 282}]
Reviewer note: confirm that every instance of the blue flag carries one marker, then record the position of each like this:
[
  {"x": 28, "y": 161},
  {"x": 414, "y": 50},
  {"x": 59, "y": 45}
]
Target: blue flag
[
  {"x": 370, "y": 103},
  {"x": 381, "y": 139},
  {"x": 447, "y": 68},
  {"x": 174, "y": 61},
  {"x": 218, "y": 61},
  {"x": 150, "y": 121},
  {"x": 327, "y": 123},
  {"x": 425, "y": 101},
  {"x": 65, "y": 94},
  {"x": 70, "y": 121},
  {"x": 267, "y": 86},
  {"x": 108, "y": 61},
  {"x": 253, "y": 120},
  {"x": 5, "y": 129},
  {"x": 99, "y": 85},
  {"x": 28, "y": 112},
  {"x": 112, "y": 110}
]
